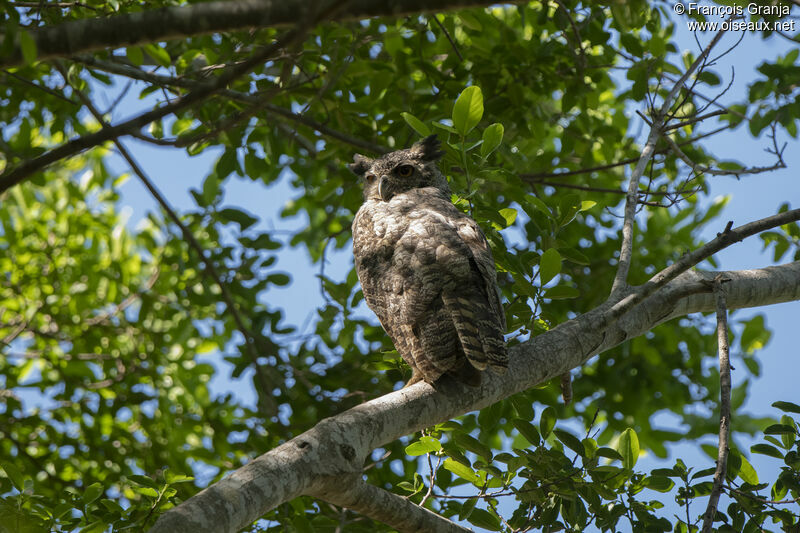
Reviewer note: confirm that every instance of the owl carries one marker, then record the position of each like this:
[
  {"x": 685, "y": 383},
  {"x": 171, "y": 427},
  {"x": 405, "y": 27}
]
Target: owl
[{"x": 426, "y": 269}]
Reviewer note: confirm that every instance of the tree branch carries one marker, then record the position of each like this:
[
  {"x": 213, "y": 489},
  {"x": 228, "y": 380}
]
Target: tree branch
[
  {"x": 728, "y": 237},
  {"x": 701, "y": 169},
  {"x": 659, "y": 120},
  {"x": 383, "y": 506},
  {"x": 251, "y": 99},
  {"x": 724, "y": 404},
  {"x": 15, "y": 175},
  {"x": 201, "y": 19},
  {"x": 338, "y": 445}
]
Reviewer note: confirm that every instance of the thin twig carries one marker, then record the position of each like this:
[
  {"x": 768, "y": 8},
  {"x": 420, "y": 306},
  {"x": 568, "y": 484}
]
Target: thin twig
[
  {"x": 693, "y": 120},
  {"x": 702, "y": 169},
  {"x": 48, "y": 90},
  {"x": 252, "y": 99},
  {"x": 613, "y": 191},
  {"x": 578, "y": 39},
  {"x": 724, "y": 403},
  {"x": 434, "y": 471},
  {"x": 536, "y": 176},
  {"x": 447, "y": 34},
  {"x": 127, "y": 302},
  {"x": 59, "y": 5},
  {"x": 763, "y": 501}
]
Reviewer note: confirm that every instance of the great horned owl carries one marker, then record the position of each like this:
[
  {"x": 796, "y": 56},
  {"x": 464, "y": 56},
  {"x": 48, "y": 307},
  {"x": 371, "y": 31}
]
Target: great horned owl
[{"x": 426, "y": 269}]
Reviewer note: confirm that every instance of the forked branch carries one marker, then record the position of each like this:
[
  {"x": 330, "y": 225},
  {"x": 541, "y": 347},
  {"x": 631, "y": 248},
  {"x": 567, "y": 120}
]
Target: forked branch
[{"x": 659, "y": 121}]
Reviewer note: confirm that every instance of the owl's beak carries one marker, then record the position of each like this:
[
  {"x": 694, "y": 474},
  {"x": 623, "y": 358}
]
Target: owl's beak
[{"x": 383, "y": 189}]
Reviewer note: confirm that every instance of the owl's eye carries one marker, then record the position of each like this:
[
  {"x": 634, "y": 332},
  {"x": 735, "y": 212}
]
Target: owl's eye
[
  {"x": 370, "y": 177},
  {"x": 405, "y": 171}
]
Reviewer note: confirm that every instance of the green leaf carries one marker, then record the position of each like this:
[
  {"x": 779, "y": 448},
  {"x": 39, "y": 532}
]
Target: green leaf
[
  {"x": 509, "y": 214},
  {"x": 492, "y": 137},
  {"x": 92, "y": 492},
  {"x": 659, "y": 483},
  {"x": 158, "y": 54},
  {"x": 444, "y": 127},
  {"x": 467, "y": 508},
  {"x": 174, "y": 479},
  {"x": 470, "y": 443},
  {"x": 755, "y": 335},
  {"x": 134, "y": 55},
  {"x": 570, "y": 441},
  {"x": 144, "y": 481},
  {"x": 97, "y": 526},
  {"x": 461, "y": 470},
  {"x": 780, "y": 429},
  {"x": 468, "y": 110},
  {"x": 788, "y": 407},
  {"x": 628, "y": 447},
  {"x": 14, "y": 475},
  {"x": 608, "y": 453},
  {"x": 238, "y": 216},
  {"x": 426, "y": 444},
  {"x": 547, "y": 422},
  {"x": 549, "y": 265},
  {"x": 747, "y": 473},
  {"x": 562, "y": 292},
  {"x": 470, "y": 21},
  {"x": 28, "y": 46},
  {"x": 766, "y": 449},
  {"x": 522, "y": 405},
  {"x": 538, "y": 204},
  {"x": 279, "y": 279},
  {"x": 416, "y": 124},
  {"x": 484, "y": 519},
  {"x": 527, "y": 430}
]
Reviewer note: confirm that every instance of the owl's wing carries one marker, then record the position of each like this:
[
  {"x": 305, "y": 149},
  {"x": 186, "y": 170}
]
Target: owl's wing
[
  {"x": 473, "y": 237},
  {"x": 474, "y": 302},
  {"x": 467, "y": 283}
]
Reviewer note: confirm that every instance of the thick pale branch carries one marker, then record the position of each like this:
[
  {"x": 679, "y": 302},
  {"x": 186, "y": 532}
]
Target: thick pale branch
[
  {"x": 383, "y": 506},
  {"x": 338, "y": 445},
  {"x": 203, "y": 18}
]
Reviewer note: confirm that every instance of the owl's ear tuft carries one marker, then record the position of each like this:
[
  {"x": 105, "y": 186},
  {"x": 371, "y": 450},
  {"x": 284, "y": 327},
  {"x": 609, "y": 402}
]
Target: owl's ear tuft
[
  {"x": 360, "y": 164},
  {"x": 428, "y": 149}
]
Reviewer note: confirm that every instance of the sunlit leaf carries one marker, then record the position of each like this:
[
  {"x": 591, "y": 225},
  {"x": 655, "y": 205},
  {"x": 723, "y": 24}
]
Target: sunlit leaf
[{"x": 468, "y": 110}]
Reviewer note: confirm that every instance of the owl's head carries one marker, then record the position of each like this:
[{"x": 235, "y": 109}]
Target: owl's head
[{"x": 402, "y": 170}]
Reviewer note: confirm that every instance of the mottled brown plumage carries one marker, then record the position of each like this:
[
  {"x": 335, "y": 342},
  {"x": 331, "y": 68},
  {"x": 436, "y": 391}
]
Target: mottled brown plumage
[{"x": 426, "y": 269}]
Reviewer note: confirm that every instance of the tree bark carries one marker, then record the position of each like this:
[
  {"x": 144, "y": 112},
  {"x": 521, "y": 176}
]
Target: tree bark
[
  {"x": 338, "y": 446},
  {"x": 203, "y": 18}
]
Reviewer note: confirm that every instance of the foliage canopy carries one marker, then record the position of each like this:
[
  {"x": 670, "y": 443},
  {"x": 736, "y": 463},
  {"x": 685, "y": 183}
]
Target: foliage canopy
[{"x": 105, "y": 321}]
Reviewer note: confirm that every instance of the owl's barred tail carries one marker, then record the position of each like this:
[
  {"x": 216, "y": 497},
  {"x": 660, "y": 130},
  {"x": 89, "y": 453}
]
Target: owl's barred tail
[{"x": 478, "y": 331}]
